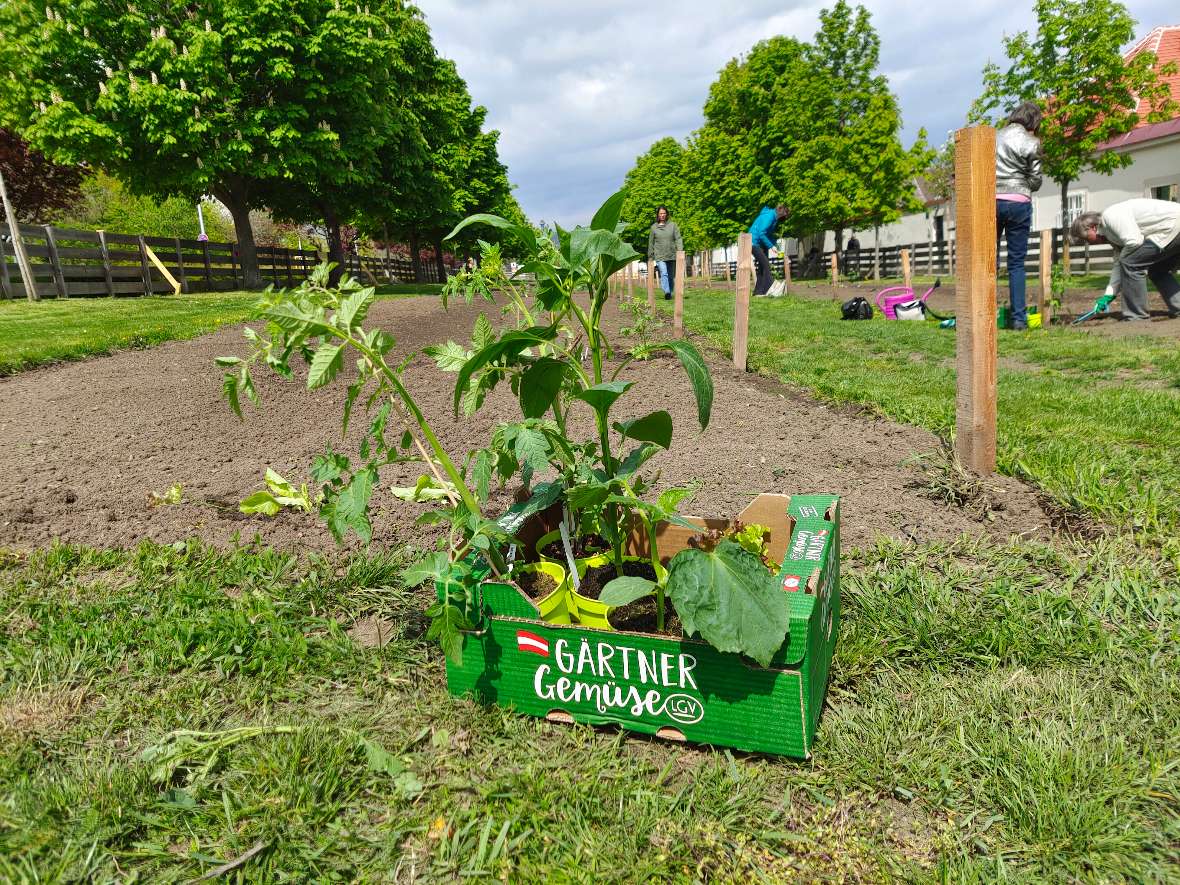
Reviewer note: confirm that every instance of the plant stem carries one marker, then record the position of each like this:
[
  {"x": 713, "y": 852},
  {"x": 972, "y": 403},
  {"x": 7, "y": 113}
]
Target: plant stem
[{"x": 655, "y": 565}]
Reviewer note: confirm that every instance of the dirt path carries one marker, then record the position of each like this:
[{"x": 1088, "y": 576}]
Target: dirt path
[{"x": 83, "y": 445}]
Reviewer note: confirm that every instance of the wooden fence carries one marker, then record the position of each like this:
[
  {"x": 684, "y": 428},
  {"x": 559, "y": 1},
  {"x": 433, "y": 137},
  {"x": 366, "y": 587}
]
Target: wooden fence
[
  {"x": 937, "y": 258},
  {"x": 76, "y": 263}
]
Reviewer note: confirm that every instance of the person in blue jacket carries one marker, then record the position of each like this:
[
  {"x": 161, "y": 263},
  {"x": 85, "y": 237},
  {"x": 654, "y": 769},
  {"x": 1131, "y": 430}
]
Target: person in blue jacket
[{"x": 762, "y": 234}]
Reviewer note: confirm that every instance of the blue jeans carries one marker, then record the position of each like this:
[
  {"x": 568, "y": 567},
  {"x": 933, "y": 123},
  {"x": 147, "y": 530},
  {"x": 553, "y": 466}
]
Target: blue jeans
[
  {"x": 1013, "y": 220},
  {"x": 667, "y": 268}
]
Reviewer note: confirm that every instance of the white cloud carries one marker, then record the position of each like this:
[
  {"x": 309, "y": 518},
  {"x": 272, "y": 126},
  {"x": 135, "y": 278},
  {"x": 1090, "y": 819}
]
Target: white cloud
[{"x": 578, "y": 91}]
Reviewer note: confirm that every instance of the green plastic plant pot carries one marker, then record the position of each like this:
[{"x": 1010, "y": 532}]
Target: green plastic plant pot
[
  {"x": 555, "y": 607},
  {"x": 590, "y": 612}
]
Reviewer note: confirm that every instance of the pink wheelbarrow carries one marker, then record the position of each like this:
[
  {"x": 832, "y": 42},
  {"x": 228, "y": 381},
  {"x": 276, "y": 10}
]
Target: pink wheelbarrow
[{"x": 888, "y": 300}]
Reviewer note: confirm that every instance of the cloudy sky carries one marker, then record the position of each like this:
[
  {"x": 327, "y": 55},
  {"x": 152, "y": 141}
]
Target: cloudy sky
[{"x": 579, "y": 90}]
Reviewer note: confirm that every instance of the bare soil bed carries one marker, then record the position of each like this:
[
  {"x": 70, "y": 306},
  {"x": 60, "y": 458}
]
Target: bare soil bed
[{"x": 83, "y": 446}]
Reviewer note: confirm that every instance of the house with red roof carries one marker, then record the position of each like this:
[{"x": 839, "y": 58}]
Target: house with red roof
[{"x": 1154, "y": 149}]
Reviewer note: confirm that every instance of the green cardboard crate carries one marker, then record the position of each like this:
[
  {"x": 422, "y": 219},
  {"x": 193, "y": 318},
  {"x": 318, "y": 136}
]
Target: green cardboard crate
[{"x": 681, "y": 689}]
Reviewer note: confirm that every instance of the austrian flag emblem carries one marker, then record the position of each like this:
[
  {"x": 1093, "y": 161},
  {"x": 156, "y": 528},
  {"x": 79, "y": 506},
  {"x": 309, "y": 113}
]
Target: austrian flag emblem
[{"x": 526, "y": 641}]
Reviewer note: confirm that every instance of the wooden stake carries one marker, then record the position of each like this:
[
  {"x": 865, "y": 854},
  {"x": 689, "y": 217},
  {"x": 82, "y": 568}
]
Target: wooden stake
[
  {"x": 905, "y": 268},
  {"x": 975, "y": 297},
  {"x": 678, "y": 307},
  {"x": 632, "y": 270},
  {"x": 144, "y": 270},
  {"x": 18, "y": 246},
  {"x": 59, "y": 279},
  {"x": 155, "y": 259},
  {"x": 1046, "y": 296},
  {"x": 835, "y": 271},
  {"x": 5, "y": 282},
  {"x": 786, "y": 268},
  {"x": 727, "y": 267},
  {"x": 180, "y": 267},
  {"x": 652, "y": 273},
  {"x": 741, "y": 303}
]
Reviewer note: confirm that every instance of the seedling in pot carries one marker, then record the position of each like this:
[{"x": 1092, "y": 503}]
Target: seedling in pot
[{"x": 725, "y": 594}]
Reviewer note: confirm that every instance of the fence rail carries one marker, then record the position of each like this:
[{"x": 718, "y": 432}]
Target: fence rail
[
  {"x": 936, "y": 258},
  {"x": 69, "y": 263}
]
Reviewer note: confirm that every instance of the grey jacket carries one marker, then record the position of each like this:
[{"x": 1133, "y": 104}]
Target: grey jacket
[
  {"x": 1018, "y": 161},
  {"x": 664, "y": 241}
]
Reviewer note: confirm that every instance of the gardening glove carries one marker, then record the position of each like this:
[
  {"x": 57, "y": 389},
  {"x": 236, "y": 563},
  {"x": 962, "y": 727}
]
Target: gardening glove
[{"x": 1103, "y": 303}]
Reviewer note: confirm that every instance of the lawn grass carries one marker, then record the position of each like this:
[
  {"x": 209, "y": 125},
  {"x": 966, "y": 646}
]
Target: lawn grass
[
  {"x": 51, "y": 330},
  {"x": 1094, "y": 421},
  {"x": 996, "y": 711}
]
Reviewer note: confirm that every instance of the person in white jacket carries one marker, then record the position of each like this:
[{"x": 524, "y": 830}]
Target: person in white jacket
[{"x": 1146, "y": 238}]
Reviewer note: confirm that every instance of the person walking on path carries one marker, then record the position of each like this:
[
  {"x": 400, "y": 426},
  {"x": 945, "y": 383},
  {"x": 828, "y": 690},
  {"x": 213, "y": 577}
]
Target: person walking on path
[
  {"x": 663, "y": 242},
  {"x": 1146, "y": 238},
  {"x": 762, "y": 236},
  {"x": 1018, "y": 177}
]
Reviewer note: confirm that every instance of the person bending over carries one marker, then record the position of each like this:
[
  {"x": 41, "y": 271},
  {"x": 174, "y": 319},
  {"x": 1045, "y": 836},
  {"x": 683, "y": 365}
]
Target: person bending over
[{"x": 1146, "y": 238}]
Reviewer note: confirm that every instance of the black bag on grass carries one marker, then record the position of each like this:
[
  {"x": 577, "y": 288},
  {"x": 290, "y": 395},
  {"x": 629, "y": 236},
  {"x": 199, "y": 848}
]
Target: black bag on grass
[{"x": 856, "y": 309}]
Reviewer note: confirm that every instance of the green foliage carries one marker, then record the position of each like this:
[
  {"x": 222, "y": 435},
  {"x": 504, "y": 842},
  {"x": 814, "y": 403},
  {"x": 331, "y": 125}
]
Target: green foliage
[
  {"x": 729, "y": 598},
  {"x": 318, "y": 324},
  {"x": 1093, "y": 425},
  {"x": 279, "y": 493},
  {"x": 657, "y": 179},
  {"x": 106, "y": 204},
  {"x": 644, "y": 323},
  {"x": 810, "y": 125},
  {"x": 966, "y": 731},
  {"x": 1074, "y": 68}
]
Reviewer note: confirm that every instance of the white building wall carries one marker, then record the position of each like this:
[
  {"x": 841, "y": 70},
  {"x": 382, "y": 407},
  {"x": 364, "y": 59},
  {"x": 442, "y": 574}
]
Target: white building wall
[{"x": 1156, "y": 164}]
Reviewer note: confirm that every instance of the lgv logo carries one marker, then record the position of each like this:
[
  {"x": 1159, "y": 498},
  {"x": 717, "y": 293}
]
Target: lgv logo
[{"x": 615, "y": 678}]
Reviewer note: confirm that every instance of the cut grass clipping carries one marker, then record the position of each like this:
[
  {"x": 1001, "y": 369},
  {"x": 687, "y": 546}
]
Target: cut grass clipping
[{"x": 996, "y": 712}]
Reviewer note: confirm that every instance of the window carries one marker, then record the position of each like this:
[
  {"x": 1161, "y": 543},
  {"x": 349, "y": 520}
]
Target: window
[
  {"x": 1166, "y": 192},
  {"x": 1075, "y": 205}
]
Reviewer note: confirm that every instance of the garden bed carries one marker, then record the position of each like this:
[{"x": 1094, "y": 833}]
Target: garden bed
[{"x": 84, "y": 445}]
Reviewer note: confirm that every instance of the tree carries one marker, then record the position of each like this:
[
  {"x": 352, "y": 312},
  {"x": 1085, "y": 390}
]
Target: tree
[
  {"x": 657, "y": 179},
  {"x": 37, "y": 186},
  {"x": 845, "y": 165},
  {"x": 1075, "y": 69},
  {"x": 203, "y": 98},
  {"x": 105, "y": 204},
  {"x": 370, "y": 73},
  {"x": 811, "y": 125}
]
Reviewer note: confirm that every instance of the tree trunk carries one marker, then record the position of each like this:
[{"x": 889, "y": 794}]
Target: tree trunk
[
  {"x": 438, "y": 259},
  {"x": 415, "y": 258},
  {"x": 335, "y": 245},
  {"x": 239, "y": 209}
]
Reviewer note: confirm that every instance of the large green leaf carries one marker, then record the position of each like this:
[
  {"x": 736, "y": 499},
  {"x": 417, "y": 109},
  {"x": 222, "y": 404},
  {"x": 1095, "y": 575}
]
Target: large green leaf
[
  {"x": 524, "y": 234},
  {"x": 655, "y": 428},
  {"x": 698, "y": 376},
  {"x": 539, "y": 384},
  {"x": 607, "y": 216},
  {"x": 730, "y": 598},
  {"x": 602, "y": 396},
  {"x": 325, "y": 365},
  {"x": 532, "y": 448},
  {"x": 509, "y": 345},
  {"x": 626, "y": 589}
]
